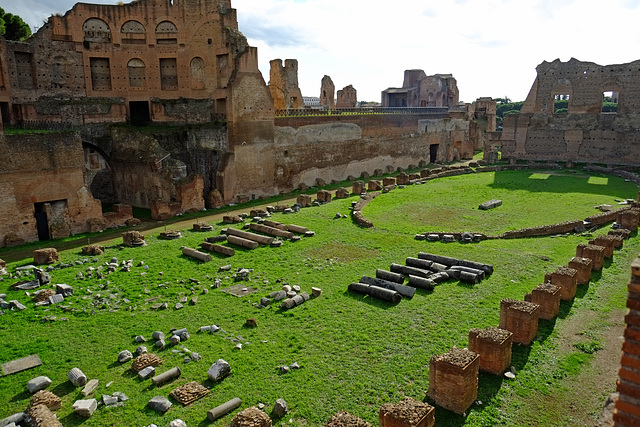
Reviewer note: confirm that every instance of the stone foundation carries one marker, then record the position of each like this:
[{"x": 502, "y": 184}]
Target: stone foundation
[
  {"x": 547, "y": 296},
  {"x": 342, "y": 193},
  {"x": 566, "y": 279},
  {"x": 493, "y": 345},
  {"x": 583, "y": 269},
  {"x": 388, "y": 181},
  {"x": 521, "y": 318},
  {"x": 453, "y": 379},
  {"x": 358, "y": 187},
  {"x": 374, "y": 185},
  {"x": 304, "y": 200},
  {"x": 594, "y": 252},
  {"x": 324, "y": 196}
]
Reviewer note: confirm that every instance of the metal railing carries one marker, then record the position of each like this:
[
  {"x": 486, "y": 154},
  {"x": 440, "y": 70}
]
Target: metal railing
[{"x": 303, "y": 112}]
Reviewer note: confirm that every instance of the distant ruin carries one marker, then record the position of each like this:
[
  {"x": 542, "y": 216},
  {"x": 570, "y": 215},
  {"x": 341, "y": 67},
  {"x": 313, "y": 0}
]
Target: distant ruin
[
  {"x": 347, "y": 97},
  {"x": 420, "y": 90},
  {"x": 327, "y": 93},
  {"x": 585, "y": 132},
  {"x": 283, "y": 84}
]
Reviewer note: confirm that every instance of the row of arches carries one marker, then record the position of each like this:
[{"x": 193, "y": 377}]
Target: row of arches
[
  {"x": 137, "y": 73},
  {"x": 97, "y": 25}
]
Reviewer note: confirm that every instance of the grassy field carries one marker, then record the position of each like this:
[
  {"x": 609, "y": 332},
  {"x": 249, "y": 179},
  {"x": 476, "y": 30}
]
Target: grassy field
[{"x": 355, "y": 353}]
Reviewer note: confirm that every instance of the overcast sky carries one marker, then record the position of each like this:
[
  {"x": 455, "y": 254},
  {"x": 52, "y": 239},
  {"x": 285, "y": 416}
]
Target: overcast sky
[{"x": 490, "y": 46}]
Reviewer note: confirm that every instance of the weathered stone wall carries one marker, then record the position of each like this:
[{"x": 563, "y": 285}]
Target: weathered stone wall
[
  {"x": 283, "y": 84},
  {"x": 38, "y": 169},
  {"x": 347, "y": 97},
  {"x": 420, "y": 90},
  {"x": 172, "y": 58},
  {"x": 336, "y": 149},
  {"x": 327, "y": 93},
  {"x": 583, "y": 133}
]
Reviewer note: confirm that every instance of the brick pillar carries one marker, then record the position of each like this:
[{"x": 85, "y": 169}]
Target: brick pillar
[
  {"x": 358, "y": 187},
  {"x": 627, "y": 410},
  {"x": 304, "y": 200},
  {"x": 324, "y": 196},
  {"x": 607, "y": 242},
  {"x": 566, "y": 279},
  {"x": 453, "y": 379},
  {"x": 547, "y": 296},
  {"x": 408, "y": 412},
  {"x": 521, "y": 318},
  {"x": 622, "y": 232},
  {"x": 594, "y": 252},
  {"x": 388, "y": 181},
  {"x": 583, "y": 267},
  {"x": 402, "y": 178},
  {"x": 493, "y": 345},
  {"x": 374, "y": 185},
  {"x": 425, "y": 173},
  {"x": 629, "y": 219}
]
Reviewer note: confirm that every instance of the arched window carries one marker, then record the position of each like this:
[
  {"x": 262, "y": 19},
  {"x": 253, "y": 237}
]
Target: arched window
[
  {"x": 166, "y": 33},
  {"x": 96, "y": 31},
  {"x": 197, "y": 73},
  {"x": 136, "y": 73},
  {"x": 133, "y": 32}
]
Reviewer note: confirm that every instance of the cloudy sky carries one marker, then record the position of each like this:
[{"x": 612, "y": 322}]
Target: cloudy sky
[{"x": 490, "y": 46}]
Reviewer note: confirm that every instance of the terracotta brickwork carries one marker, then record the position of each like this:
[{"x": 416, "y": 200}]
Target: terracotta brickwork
[
  {"x": 607, "y": 242},
  {"x": 521, "y": 318},
  {"x": 547, "y": 296},
  {"x": 283, "y": 84},
  {"x": 583, "y": 269},
  {"x": 594, "y": 252},
  {"x": 420, "y": 90},
  {"x": 347, "y": 97},
  {"x": 408, "y": 412},
  {"x": 629, "y": 219},
  {"x": 493, "y": 345},
  {"x": 453, "y": 379},
  {"x": 627, "y": 409},
  {"x": 566, "y": 279},
  {"x": 540, "y": 132}
]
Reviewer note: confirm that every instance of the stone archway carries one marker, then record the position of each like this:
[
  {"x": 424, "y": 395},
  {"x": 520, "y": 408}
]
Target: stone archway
[{"x": 99, "y": 177}]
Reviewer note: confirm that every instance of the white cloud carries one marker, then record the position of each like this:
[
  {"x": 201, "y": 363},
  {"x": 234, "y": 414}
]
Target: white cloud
[{"x": 491, "y": 47}]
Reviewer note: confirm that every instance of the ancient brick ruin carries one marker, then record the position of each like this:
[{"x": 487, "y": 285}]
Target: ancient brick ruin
[
  {"x": 586, "y": 132},
  {"x": 420, "y": 90},
  {"x": 347, "y": 97},
  {"x": 327, "y": 93},
  {"x": 283, "y": 84}
]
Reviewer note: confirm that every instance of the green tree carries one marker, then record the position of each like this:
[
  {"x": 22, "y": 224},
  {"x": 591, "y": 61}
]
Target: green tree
[{"x": 12, "y": 27}]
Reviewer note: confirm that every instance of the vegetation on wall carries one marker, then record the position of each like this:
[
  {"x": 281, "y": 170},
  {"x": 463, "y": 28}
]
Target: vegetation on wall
[{"x": 12, "y": 27}]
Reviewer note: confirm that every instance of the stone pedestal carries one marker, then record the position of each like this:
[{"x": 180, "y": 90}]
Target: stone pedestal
[
  {"x": 521, "y": 318},
  {"x": 414, "y": 176},
  {"x": 358, "y": 187},
  {"x": 594, "y": 252},
  {"x": 342, "y": 193},
  {"x": 566, "y": 279},
  {"x": 622, "y": 232},
  {"x": 425, "y": 173},
  {"x": 408, "y": 412},
  {"x": 388, "y": 181},
  {"x": 629, "y": 219},
  {"x": 547, "y": 296},
  {"x": 453, "y": 379},
  {"x": 402, "y": 178},
  {"x": 323, "y": 196},
  {"x": 583, "y": 268},
  {"x": 374, "y": 185},
  {"x": 607, "y": 242},
  {"x": 304, "y": 200},
  {"x": 493, "y": 345}
]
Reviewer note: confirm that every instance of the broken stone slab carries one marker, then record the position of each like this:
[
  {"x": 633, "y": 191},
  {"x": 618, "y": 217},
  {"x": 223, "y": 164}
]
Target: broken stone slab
[
  {"x": 159, "y": 403},
  {"x": 491, "y": 204},
  {"x": 17, "y": 305},
  {"x": 15, "y": 419},
  {"x": 125, "y": 356},
  {"x": 77, "y": 377},
  {"x": 22, "y": 364},
  {"x": 147, "y": 373},
  {"x": 90, "y": 387},
  {"x": 64, "y": 289},
  {"x": 85, "y": 408},
  {"x": 56, "y": 298},
  {"x": 280, "y": 408},
  {"x": 219, "y": 370},
  {"x": 38, "y": 383},
  {"x": 158, "y": 335},
  {"x": 109, "y": 400},
  {"x": 177, "y": 423}
]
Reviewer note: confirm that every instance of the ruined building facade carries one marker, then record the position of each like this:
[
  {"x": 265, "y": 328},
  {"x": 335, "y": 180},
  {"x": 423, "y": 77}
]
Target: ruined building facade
[
  {"x": 585, "y": 132},
  {"x": 420, "y": 90},
  {"x": 185, "y": 65}
]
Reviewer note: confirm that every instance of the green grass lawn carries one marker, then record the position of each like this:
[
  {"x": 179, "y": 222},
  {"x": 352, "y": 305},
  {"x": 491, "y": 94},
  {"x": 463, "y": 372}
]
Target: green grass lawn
[{"x": 356, "y": 353}]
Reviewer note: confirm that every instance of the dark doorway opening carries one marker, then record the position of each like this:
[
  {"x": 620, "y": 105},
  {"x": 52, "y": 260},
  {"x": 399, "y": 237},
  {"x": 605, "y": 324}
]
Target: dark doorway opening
[
  {"x": 42, "y": 222},
  {"x": 139, "y": 113},
  {"x": 4, "y": 112},
  {"x": 433, "y": 153}
]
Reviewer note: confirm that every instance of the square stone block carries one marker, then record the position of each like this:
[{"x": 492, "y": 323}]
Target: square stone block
[
  {"x": 566, "y": 279},
  {"x": 629, "y": 219},
  {"x": 583, "y": 267},
  {"x": 493, "y": 345},
  {"x": 547, "y": 296},
  {"x": 606, "y": 241},
  {"x": 408, "y": 412},
  {"x": 594, "y": 252},
  {"x": 453, "y": 379},
  {"x": 521, "y": 318}
]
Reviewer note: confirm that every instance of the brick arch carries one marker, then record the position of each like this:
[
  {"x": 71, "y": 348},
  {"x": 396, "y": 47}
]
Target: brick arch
[{"x": 47, "y": 188}]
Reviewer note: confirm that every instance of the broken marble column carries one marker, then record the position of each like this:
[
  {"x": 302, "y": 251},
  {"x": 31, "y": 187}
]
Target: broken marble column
[{"x": 77, "y": 377}]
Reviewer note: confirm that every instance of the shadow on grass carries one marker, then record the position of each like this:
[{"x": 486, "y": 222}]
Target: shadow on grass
[
  {"x": 374, "y": 302},
  {"x": 63, "y": 389},
  {"x": 565, "y": 309},
  {"x": 73, "y": 419},
  {"x": 520, "y": 356},
  {"x": 25, "y": 395}
]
